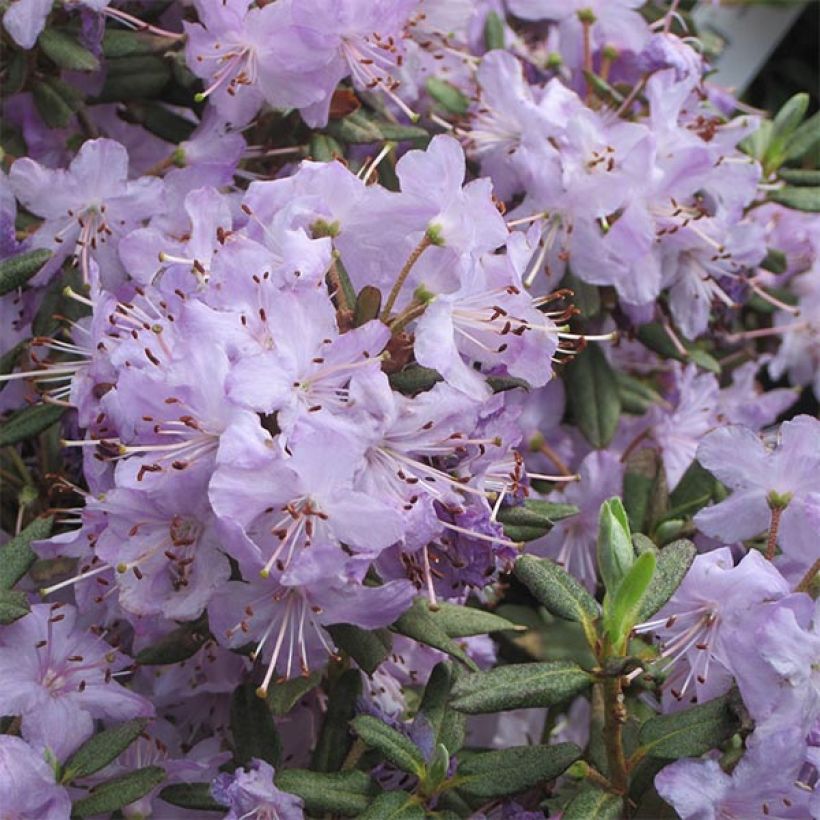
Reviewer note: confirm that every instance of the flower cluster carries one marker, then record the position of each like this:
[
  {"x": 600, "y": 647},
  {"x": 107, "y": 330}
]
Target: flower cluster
[{"x": 316, "y": 317}]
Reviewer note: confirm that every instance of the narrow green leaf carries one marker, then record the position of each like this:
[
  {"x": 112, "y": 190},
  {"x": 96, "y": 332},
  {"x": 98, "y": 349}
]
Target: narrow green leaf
[
  {"x": 803, "y": 139},
  {"x": 8, "y": 361},
  {"x": 533, "y": 519},
  {"x": 118, "y": 792},
  {"x": 55, "y": 107},
  {"x": 418, "y": 623},
  {"x": 334, "y": 739},
  {"x": 159, "y": 120},
  {"x": 464, "y": 621},
  {"x": 13, "y": 605},
  {"x": 16, "y": 556},
  {"x": 592, "y": 395},
  {"x": 493, "y": 31},
  {"x": 414, "y": 379},
  {"x": 644, "y": 488},
  {"x": 361, "y": 127},
  {"x": 252, "y": 726},
  {"x": 195, "y": 796},
  {"x": 368, "y": 648},
  {"x": 346, "y": 793},
  {"x": 324, "y": 148},
  {"x": 790, "y": 116},
  {"x": 509, "y": 771},
  {"x": 556, "y": 589},
  {"x": 368, "y": 305},
  {"x": 28, "y": 422},
  {"x": 501, "y": 384},
  {"x": 134, "y": 78},
  {"x": 692, "y": 732},
  {"x": 447, "y": 724},
  {"x": 799, "y": 176},
  {"x": 97, "y": 752},
  {"x": 621, "y": 613},
  {"x": 395, "y": 747},
  {"x": 586, "y": 297},
  {"x": 17, "y": 270},
  {"x": 775, "y": 261},
  {"x": 673, "y": 562},
  {"x": 602, "y": 89},
  {"x": 394, "y": 806},
  {"x": 801, "y": 199},
  {"x": 121, "y": 43},
  {"x": 636, "y": 396},
  {"x": 179, "y": 645},
  {"x": 654, "y": 337},
  {"x": 64, "y": 50},
  {"x": 282, "y": 697},
  {"x": 447, "y": 95},
  {"x": 614, "y": 551},
  {"x": 592, "y": 803},
  {"x": 519, "y": 686}
]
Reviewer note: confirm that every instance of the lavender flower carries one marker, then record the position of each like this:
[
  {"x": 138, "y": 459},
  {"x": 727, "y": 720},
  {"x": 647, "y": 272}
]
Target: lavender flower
[{"x": 27, "y": 787}]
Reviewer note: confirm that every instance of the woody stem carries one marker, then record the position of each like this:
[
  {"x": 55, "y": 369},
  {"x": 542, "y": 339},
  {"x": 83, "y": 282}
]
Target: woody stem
[
  {"x": 425, "y": 243},
  {"x": 771, "y": 544}
]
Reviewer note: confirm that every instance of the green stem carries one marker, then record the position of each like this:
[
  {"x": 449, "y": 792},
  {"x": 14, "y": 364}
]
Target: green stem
[
  {"x": 614, "y": 719},
  {"x": 425, "y": 243}
]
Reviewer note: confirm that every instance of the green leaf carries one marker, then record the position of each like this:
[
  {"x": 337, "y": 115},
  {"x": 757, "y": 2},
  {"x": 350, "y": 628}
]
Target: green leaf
[
  {"x": 16, "y": 556},
  {"x": 121, "y": 43},
  {"x": 447, "y": 95},
  {"x": 395, "y": 747},
  {"x": 179, "y": 645},
  {"x": 64, "y": 50},
  {"x": 28, "y": 422},
  {"x": 195, "y": 796},
  {"x": 368, "y": 305},
  {"x": 803, "y": 139},
  {"x": 323, "y": 148},
  {"x": 533, "y": 519},
  {"x": 97, "y": 752},
  {"x": 447, "y": 724},
  {"x": 367, "y": 647},
  {"x": 414, "y": 379},
  {"x": 418, "y": 623},
  {"x": 8, "y": 361},
  {"x": 592, "y": 803},
  {"x": 586, "y": 297},
  {"x": 394, "y": 806},
  {"x": 17, "y": 270},
  {"x": 654, "y": 337},
  {"x": 798, "y": 176},
  {"x": 493, "y": 31},
  {"x": 501, "y": 384},
  {"x": 16, "y": 72},
  {"x": 252, "y": 726},
  {"x": 775, "y": 261},
  {"x": 645, "y": 495},
  {"x": 621, "y": 611},
  {"x": 13, "y": 605},
  {"x": 801, "y": 199},
  {"x": 159, "y": 120},
  {"x": 519, "y": 686},
  {"x": 636, "y": 397},
  {"x": 134, "y": 78},
  {"x": 334, "y": 739},
  {"x": 614, "y": 551},
  {"x": 361, "y": 127},
  {"x": 556, "y": 589},
  {"x": 694, "y": 491},
  {"x": 347, "y": 793},
  {"x": 56, "y": 102},
  {"x": 602, "y": 89},
  {"x": 509, "y": 771},
  {"x": 118, "y": 792},
  {"x": 673, "y": 562},
  {"x": 592, "y": 395},
  {"x": 790, "y": 116},
  {"x": 465, "y": 621},
  {"x": 692, "y": 732},
  {"x": 282, "y": 697}
]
